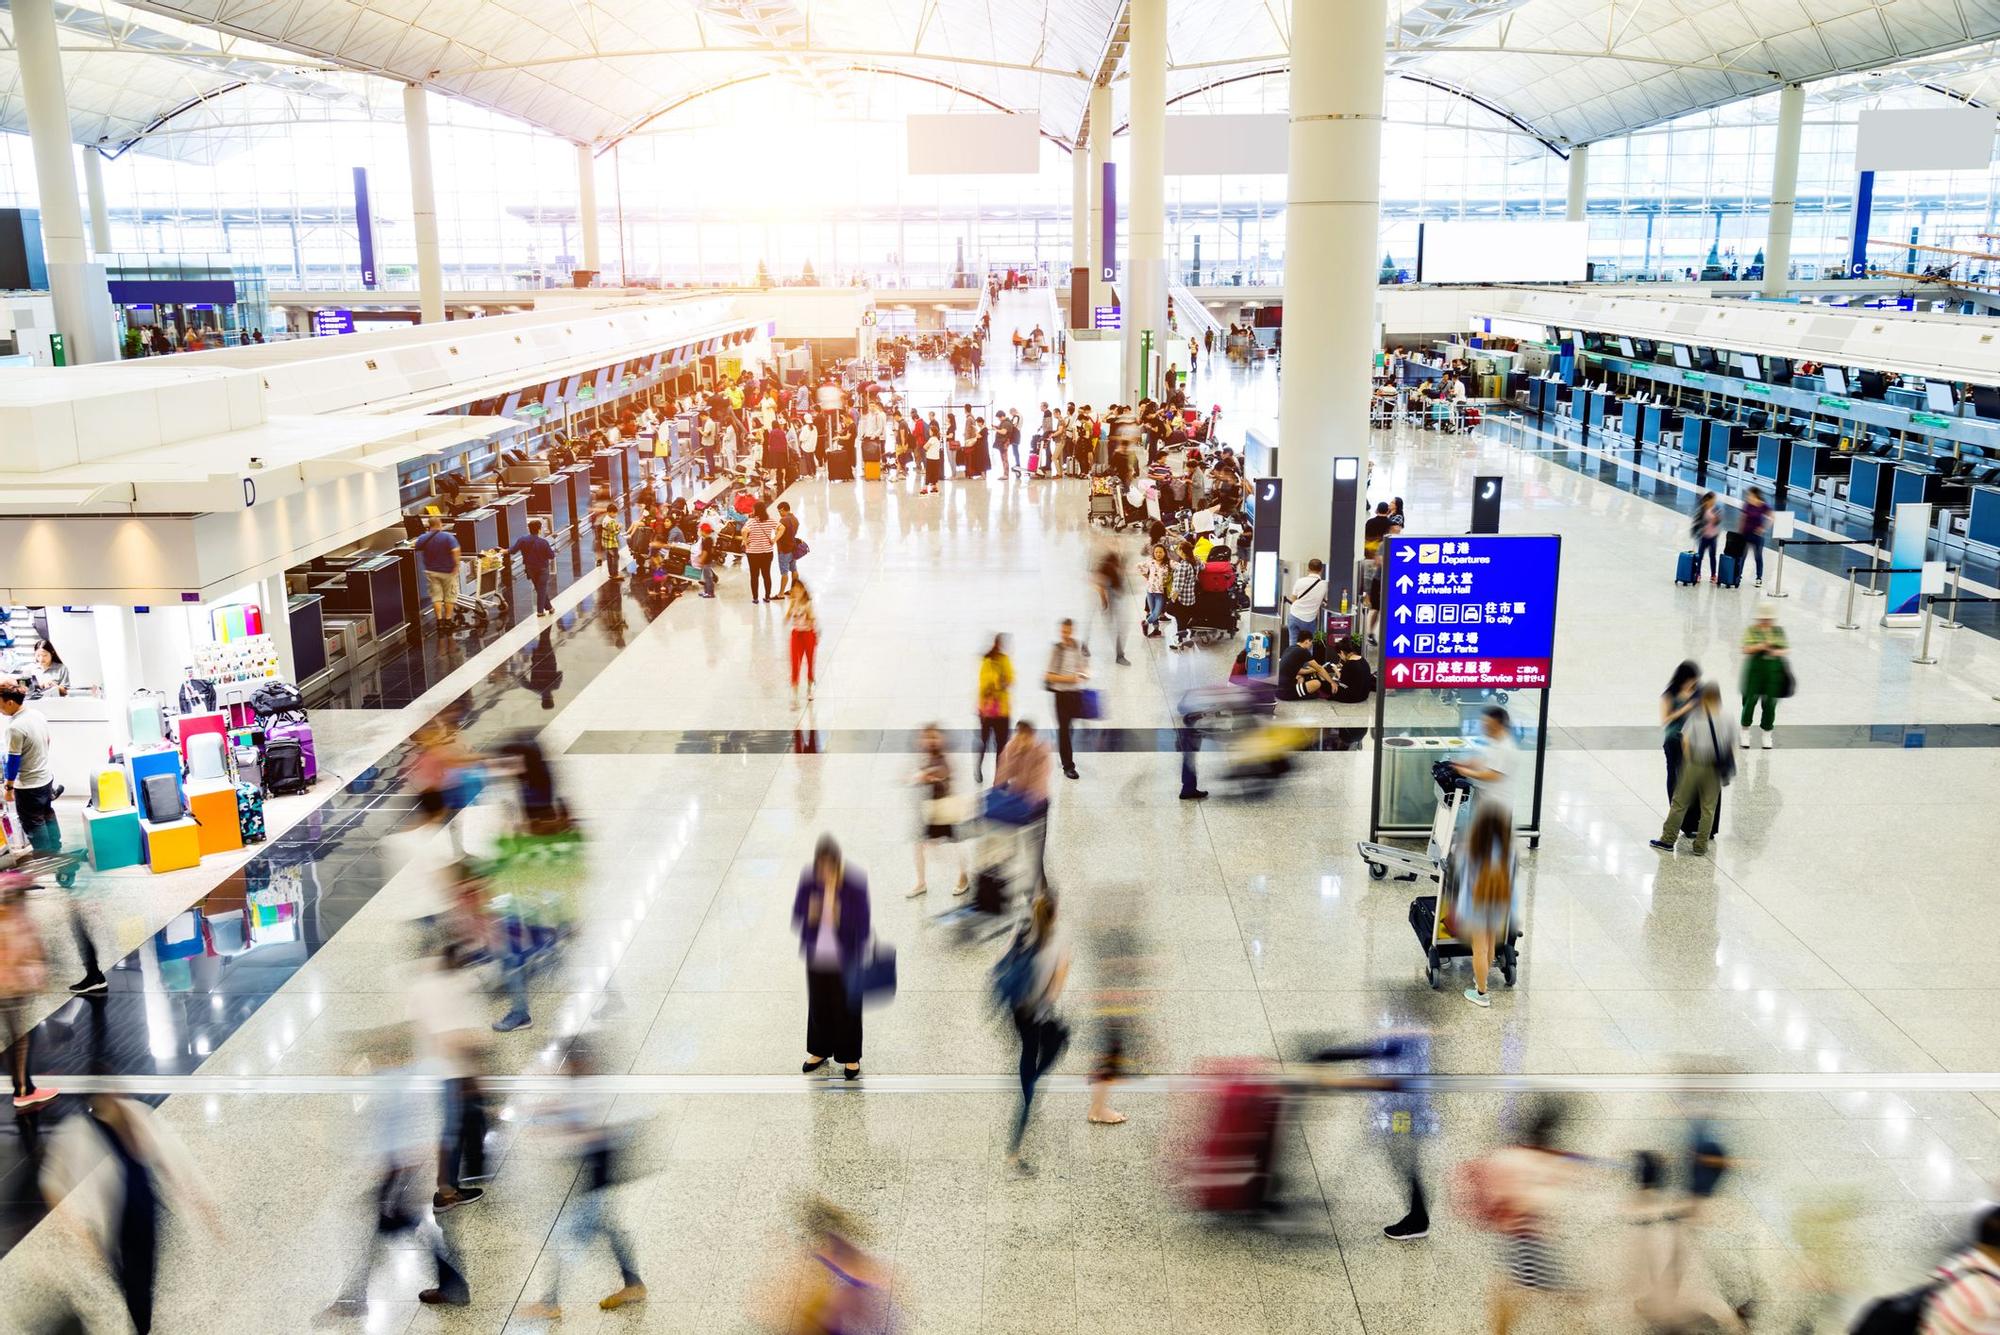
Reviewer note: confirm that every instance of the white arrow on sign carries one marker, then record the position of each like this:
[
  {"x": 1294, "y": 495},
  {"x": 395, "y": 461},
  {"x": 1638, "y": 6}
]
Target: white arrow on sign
[
  {"x": 1403, "y": 584},
  {"x": 1407, "y": 553},
  {"x": 1402, "y": 643},
  {"x": 1402, "y": 612},
  {"x": 1400, "y": 673}
]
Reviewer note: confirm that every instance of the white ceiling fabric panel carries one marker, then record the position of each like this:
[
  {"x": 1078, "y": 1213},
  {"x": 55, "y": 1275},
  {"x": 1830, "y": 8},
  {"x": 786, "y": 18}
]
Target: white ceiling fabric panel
[{"x": 1570, "y": 71}]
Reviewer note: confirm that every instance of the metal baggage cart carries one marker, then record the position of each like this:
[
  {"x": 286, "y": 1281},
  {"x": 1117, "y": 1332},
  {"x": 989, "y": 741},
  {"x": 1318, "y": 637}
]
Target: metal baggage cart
[{"x": 480, "y": 580}]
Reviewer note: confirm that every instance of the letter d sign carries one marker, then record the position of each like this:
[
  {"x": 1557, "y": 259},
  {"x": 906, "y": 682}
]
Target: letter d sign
[{"x": 249, "y": 492}]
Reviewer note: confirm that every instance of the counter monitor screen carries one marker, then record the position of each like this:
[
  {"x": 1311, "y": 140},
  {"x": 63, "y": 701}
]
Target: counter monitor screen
[
  {"x": 1682, "y": 359},
  {"x": 1986, "y": 401},
  {"x": 1748, "y": 365},
  {"x": 1835, "y": 379},
  {"x": 1874, "y": 385},
  {"x": 1939, "y": 398},
  {"x": 1626, "y": 349}
]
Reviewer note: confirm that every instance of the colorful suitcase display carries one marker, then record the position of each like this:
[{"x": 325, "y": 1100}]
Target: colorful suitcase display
[
  {"x": 214, "y": 808},
  {"x": 294, "y": 728},
  {"x": 1684, "y": 568},
  {"x": 190, "y": 726},
  {"x": 250, "y": 813}
]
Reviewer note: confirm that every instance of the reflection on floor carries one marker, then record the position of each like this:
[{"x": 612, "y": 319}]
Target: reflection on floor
[{"x": 1835, "y": 931}]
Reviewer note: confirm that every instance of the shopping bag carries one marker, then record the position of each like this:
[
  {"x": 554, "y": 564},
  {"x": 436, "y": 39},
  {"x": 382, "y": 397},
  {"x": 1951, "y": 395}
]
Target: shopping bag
[{"x": 1089, "y": 704}]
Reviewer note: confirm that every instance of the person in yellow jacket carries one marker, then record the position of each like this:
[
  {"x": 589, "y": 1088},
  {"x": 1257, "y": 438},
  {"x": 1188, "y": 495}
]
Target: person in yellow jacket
[{"x": 996, "y": 707}]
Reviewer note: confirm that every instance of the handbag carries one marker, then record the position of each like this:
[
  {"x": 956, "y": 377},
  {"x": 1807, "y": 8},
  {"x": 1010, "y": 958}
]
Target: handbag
[
  {"x": 874, "y": 978},
  {"x": 955, "y": 809},
  {"x": 799, "y": 548},
  {"x": 1089, "y": 704},
  {"x": 1787, "y": 683},
  {"x": 1725, "y": 763}
]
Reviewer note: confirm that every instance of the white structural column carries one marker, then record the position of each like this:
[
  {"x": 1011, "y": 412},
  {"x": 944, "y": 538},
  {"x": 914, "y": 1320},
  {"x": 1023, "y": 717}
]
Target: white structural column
[
  {"x": 1145, "y": 287},
  {"x": 423, "y": 204},
  {"x": 1579, "y": 183},
  {"x": 1100, "y": 153},
  {"x": 586, "y": 206},
  {"x": 76, "y": 286},
  {"x": 1332, "y": 220},
  {"x": 100, "y": 212},
  {"x": 1077, "y": 294},
  {"x": 1784, "y": 188}
]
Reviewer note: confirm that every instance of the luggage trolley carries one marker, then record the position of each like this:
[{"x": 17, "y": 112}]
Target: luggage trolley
[
  {"x": 482, "y": 573},
  {"x": 1454, "y": 791},
  {"x": 1440, "y": 946}
]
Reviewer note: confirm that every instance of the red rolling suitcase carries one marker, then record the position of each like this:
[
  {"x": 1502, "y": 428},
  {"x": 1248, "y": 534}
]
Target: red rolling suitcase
[{"x": 1231, "y": 1171}]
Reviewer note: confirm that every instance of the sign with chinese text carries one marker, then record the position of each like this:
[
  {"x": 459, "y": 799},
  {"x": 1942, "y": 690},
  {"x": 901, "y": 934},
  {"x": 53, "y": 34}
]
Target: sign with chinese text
[{"x": 1476, "y": 611}]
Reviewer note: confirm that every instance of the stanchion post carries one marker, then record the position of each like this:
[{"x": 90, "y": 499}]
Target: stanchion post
[
  {"x": 1924, "y": 645},
  {"x": 1874, "y": 565},
  {"x": 1850, "y": 623},
  {"x": 1778, "y": 575},
  {"x": 1953, "y": 623}
]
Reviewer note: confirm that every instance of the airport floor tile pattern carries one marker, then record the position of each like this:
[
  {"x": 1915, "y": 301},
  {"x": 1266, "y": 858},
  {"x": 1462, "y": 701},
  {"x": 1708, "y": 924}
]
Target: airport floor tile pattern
[{"x": 1835, "y": 931}]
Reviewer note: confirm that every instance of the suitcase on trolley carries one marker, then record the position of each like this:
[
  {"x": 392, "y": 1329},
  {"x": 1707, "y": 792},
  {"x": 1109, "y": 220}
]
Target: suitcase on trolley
[{"x": 1684, "y": 568}]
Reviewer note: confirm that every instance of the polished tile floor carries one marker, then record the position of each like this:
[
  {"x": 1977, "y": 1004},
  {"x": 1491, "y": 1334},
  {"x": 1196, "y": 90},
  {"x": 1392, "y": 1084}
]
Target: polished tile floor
[{"x": 1839, "y": 939}]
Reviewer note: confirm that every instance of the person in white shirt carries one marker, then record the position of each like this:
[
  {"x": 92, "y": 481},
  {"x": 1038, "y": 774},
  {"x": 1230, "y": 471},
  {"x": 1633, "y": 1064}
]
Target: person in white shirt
[
  {"x": 808, "y": 438},
  {"x": 1967, "y": 1302},
  {"x": 1307, "y": 598},
  {"x": 1494, "y": 771}
]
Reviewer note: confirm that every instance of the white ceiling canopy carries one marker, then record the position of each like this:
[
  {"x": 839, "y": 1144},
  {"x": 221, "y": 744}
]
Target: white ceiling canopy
[{"x": 1569, "y": 71}]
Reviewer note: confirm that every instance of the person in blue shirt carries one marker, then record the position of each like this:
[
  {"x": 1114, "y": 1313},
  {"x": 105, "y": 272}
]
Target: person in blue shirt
[
  {"x": 538, "y": 564},
  {"x": 437, "y": 548}
]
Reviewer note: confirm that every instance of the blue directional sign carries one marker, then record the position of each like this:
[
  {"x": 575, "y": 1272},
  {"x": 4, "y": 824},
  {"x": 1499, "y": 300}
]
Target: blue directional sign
[{"x": 1472, "y": 611}]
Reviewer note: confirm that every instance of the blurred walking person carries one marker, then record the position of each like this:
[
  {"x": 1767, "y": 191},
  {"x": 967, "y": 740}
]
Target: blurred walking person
[
  {"x": 830, "y": 913},
  {"x": 1021, "y": 778},
  {"x": 838, "y": 1289},
  {"x": 1107, "y": 576},
  {"x": 1670, "y": 1287},
  {"x": 24, "y": 972},
  {"x": 1706, "y": 736},
  {"x": 578, "y": 1123},
  {"x": 937, "y": 817},
  {"x": 804, "y": 623},
  {"x": 1706, "y": 530},
  {"x": 1483, "y": 902},
  {"x": 110, "y": 1173},
  {"x": 452, "y": 1037},
  {"x": 995, "y": 705},
  {"x": 1516, "y": 1192},
  {"x": 1767, "y": 676},
  {"x": 1029, "y": 981},
  {"x": 1068, "y": 670}
]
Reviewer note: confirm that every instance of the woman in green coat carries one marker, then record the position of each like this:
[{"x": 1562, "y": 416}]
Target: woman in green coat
[{"x": 1764, "y": 671}]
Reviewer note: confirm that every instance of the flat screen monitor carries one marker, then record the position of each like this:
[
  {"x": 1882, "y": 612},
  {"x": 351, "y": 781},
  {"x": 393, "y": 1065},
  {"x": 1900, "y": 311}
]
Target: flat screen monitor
[
  {"x": 1625, "y": 348},
  {"x": 510, "y": 403},
  {"x": 1986, "y": 401},
  {"x": 1874, "y": 385},
  {"x": 1682, "y": 359},
  {"x": 1705, "y": 358},
  {"x": 1779, "y": 369},
  {"x": 1749, "y": 366},
  {"x": 1835, "y": 379},
  {"x": 1938, "y": 396}
]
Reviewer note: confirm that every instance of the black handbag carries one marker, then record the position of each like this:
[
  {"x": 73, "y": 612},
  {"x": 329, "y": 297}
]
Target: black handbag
[{"x": 1787, "y": 683}]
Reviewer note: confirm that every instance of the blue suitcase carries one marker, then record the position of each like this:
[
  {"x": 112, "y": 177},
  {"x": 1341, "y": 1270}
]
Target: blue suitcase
[
  {"x": 1728, "y": 573},
  {"x": 1684, "y": 568}
]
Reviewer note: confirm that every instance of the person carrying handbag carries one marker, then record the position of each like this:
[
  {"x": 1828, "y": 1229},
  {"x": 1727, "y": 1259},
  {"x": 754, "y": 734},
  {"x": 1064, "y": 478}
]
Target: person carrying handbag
[
  {"x": 1767, "y": 673},
  {"x": 1068, "y": 670},
  {"x": 830, "y": 913},
  {"x": 1709, "y": 766}
]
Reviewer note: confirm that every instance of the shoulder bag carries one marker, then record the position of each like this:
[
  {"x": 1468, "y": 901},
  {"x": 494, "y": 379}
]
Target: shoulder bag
[{"x": 1725, "y": 761}]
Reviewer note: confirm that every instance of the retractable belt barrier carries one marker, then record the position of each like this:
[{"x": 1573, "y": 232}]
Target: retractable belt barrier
[{"x": 1778, "y": 577}]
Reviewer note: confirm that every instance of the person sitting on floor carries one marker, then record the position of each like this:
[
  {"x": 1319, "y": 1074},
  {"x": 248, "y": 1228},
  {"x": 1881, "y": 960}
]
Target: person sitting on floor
[{"x": 1300, "y": 678}]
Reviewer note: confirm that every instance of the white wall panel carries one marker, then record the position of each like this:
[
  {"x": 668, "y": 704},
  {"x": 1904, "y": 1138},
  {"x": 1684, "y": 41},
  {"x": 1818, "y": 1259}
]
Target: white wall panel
[
  {"x": 975, "y": 144},
  {"x": 1228, "y": 145},
  {"x": 1924, "y": 139}
]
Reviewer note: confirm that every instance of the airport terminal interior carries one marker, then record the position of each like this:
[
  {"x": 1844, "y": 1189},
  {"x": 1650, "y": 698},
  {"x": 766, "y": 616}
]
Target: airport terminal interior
[{"x": 1101, "y": 666}]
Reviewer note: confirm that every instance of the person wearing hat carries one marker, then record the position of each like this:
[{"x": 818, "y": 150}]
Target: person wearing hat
[{"x": 1766, "y": 676}]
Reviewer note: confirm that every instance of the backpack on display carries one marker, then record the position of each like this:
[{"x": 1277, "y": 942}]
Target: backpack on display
[
  {"x": 163, "y": 799},
  {"x": 284, "y": 766},
  {"x": 146, "y": 715},
  {"x": 196, "y": 696},
  {"x": 110, "y": 790},
  {"x": 276, "y": 697},
  {"x": 205, "y": 756}
]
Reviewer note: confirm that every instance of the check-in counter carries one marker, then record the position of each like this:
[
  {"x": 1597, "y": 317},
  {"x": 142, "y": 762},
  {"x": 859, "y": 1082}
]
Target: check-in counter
[
  {"x": 1868, "y": 485},
  {"x": 1596, "y": 404},
  {"x": 305, "y": 616},
  {"x": 577, "y": 478},
  {"x": 1982, "y": 521},
  {"x": 548, "y": 497},
  {"x": 1808, "y": 465},
  {"x": 1630, "y": 414},
  {"x": 1774, "y": 462},
  {"x": 607, "y": 470},
  {"x": 1913, "y": 483},
  {"x": 370, "y": 586},
  {"x": 512, "y": 512},
  {"x": 1656, "y": 418},
  {"x": 477, "y": 531}
]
